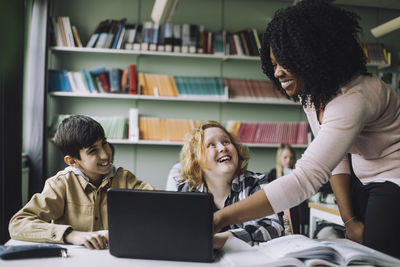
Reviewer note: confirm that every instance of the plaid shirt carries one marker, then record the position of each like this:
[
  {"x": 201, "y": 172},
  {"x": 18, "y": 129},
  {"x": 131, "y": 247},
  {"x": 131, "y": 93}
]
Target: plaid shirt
[{"x": 252, "y": 232}]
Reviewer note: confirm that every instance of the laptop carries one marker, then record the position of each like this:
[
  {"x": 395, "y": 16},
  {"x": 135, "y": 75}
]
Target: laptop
[{"x": 160, "y": 225}]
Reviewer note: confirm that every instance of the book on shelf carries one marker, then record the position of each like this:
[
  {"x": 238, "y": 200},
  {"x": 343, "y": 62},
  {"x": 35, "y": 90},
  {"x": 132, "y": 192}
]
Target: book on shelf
[
  {"x": 243, "y": 43},
  {"x": 110, "y": 32},
  {"x": 177, "y": 38},
  {"x": 193, "y": 35},
  {"x": 251, "y": 89},
  {"x": 257, "y": 39},
  {"x": 130, "y": 33},
  {"x": 157, "y": 85},
  {"x": 77, "y": 39},
  {"x": 219, "y": 43},
  {"x": 96, "y": 33},
  {"x": 199, "y": 86},
  {"x": 185, "y": 38},
  {"x": 55, "y": 32},
  {"x": 67, "y": 31},
  {"x": 302, "y": 251},
  {"x": 89, "y": 81},
  {"x": 147, "y": 35},
  {"x": 132, "y": 79},
  {"x": 295, "y": 133},
  {"x": 375, "y": 53},
  {"x": 105, "y": 32},
  {"x": 62, "y": 31},
  {"x": 133, "y": 132},
  {"x": 161, "y": 39},
  {"x": 162, "y": 129},
  {"x": 138, "y": 37},
  {"x": 58, "y": 81},
  {"x": 154, "y": 40},
  {"x": 119, "y": 34},
  {"x": 115, "y": 127},
  {"x": 115, "y": 80},
  {"x": 124, "y": 80},
  {"x": 200, "y": 36},
  {"x": 168, "y": 37}
]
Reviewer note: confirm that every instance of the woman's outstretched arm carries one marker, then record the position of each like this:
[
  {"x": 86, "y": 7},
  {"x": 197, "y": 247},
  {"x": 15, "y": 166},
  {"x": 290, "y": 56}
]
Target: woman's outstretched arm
[{"x": 250, "y": 208}]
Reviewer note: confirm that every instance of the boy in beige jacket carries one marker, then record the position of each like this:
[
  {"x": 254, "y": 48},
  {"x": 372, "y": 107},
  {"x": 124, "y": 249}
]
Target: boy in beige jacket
[{"x": 72, "y": 208}]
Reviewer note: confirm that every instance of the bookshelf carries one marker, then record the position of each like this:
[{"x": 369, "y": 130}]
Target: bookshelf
[{"x": 151, "y": 160}]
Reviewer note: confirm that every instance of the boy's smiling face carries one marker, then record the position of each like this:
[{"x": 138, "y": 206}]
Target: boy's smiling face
[{"x": 95, "y": 160}]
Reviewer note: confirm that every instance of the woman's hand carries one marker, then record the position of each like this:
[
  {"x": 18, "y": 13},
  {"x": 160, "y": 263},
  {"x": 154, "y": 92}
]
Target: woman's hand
[
  {"x": 220, "y": 239},
  {"x": 217, "y": 221},
  {"x": 355, "y": 230}
]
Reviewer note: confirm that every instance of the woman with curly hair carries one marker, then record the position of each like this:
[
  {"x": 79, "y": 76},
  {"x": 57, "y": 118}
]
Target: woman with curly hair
[
  {"x": 212, "y": 161},
  {"x": 311, "y": 51}
]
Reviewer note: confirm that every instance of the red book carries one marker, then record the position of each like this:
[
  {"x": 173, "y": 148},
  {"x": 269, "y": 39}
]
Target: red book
[
  {"x": 132, "y": 80},
  {"x": 104, "y": 81},
  {"x": 232, "y": 42}
]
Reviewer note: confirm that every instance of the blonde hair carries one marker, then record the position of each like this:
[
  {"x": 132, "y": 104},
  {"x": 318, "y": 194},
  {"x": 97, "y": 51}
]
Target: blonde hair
[
  {"x": 279, "y": 166},
  {"x": 193, "y": 154}
]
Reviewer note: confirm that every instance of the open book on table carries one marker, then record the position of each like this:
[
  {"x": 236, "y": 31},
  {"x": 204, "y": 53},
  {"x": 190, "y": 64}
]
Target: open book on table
[{"x": 299, "y": 250}]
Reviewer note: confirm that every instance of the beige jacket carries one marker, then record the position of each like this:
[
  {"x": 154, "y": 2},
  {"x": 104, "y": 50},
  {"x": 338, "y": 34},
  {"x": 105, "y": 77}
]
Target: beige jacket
[{"x": 69, "y": 200}]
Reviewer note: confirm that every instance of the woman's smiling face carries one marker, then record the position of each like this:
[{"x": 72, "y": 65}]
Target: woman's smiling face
[{"x": 292, "y": 84}]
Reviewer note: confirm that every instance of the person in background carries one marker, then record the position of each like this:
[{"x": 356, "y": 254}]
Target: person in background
[
  {"x": 212, "y": 161},
  {"x": 298, "y": 216},
  {"x": 285, "y": 161},
  {"x": 311, "y": 52},
  {"x": 72, "y": 208}
]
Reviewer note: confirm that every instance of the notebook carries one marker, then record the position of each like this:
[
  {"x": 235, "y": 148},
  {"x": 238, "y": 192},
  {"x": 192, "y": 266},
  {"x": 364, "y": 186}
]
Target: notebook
[{"x": 161, "y": 225}]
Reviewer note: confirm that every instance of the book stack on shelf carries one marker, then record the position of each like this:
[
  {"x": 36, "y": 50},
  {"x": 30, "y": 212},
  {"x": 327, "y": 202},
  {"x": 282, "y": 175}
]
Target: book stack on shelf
[
  {"x": 115, "y": 127},
  {"x": 200, "y": 86},
  {"x": 295, "y": 133},
  {"x": 108, "y": 34},
  {"x": 161, "y": 129},
  {"x": 63, "y": 33},
  {"x": 128, "y": 81},
  {"x": 151, "y": 36},
  {"x": 95, "y": 81},
  {"x": 251, "y": 89},
  {"x": 376, "y": 53}
]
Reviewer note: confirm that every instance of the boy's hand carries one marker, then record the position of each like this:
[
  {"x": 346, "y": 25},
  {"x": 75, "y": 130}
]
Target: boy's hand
[
  {"x": 220, "y": 239},
  {"x": 91, "y": 240}
]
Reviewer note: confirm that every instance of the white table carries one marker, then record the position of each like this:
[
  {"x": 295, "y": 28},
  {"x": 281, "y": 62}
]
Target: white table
[
  {"x": 326, "y": 212},
  {"x": 79, "y": 256}
]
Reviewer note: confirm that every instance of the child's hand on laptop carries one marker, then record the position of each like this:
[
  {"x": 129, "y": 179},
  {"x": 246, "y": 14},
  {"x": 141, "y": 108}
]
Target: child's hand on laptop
[
  {"x": 220, "y": 239},
  {"x": 91, "y": 240}
]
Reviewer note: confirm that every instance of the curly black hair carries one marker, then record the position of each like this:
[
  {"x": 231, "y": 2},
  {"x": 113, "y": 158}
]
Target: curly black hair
[{"x": 318, "y": 43}]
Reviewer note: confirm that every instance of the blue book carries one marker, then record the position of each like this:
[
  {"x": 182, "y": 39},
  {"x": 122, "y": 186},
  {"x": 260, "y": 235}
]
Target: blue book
[
  {"x": 116, "y": 38},
  {"x": 115, "y": 80},
  {"x": 58, "y": 81},
  {"x": 220, "y": 86},
  {"x": 88, "y": 81},
  {"x": 98, "y": 71},
  {"x": 65, "y": 85}
]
